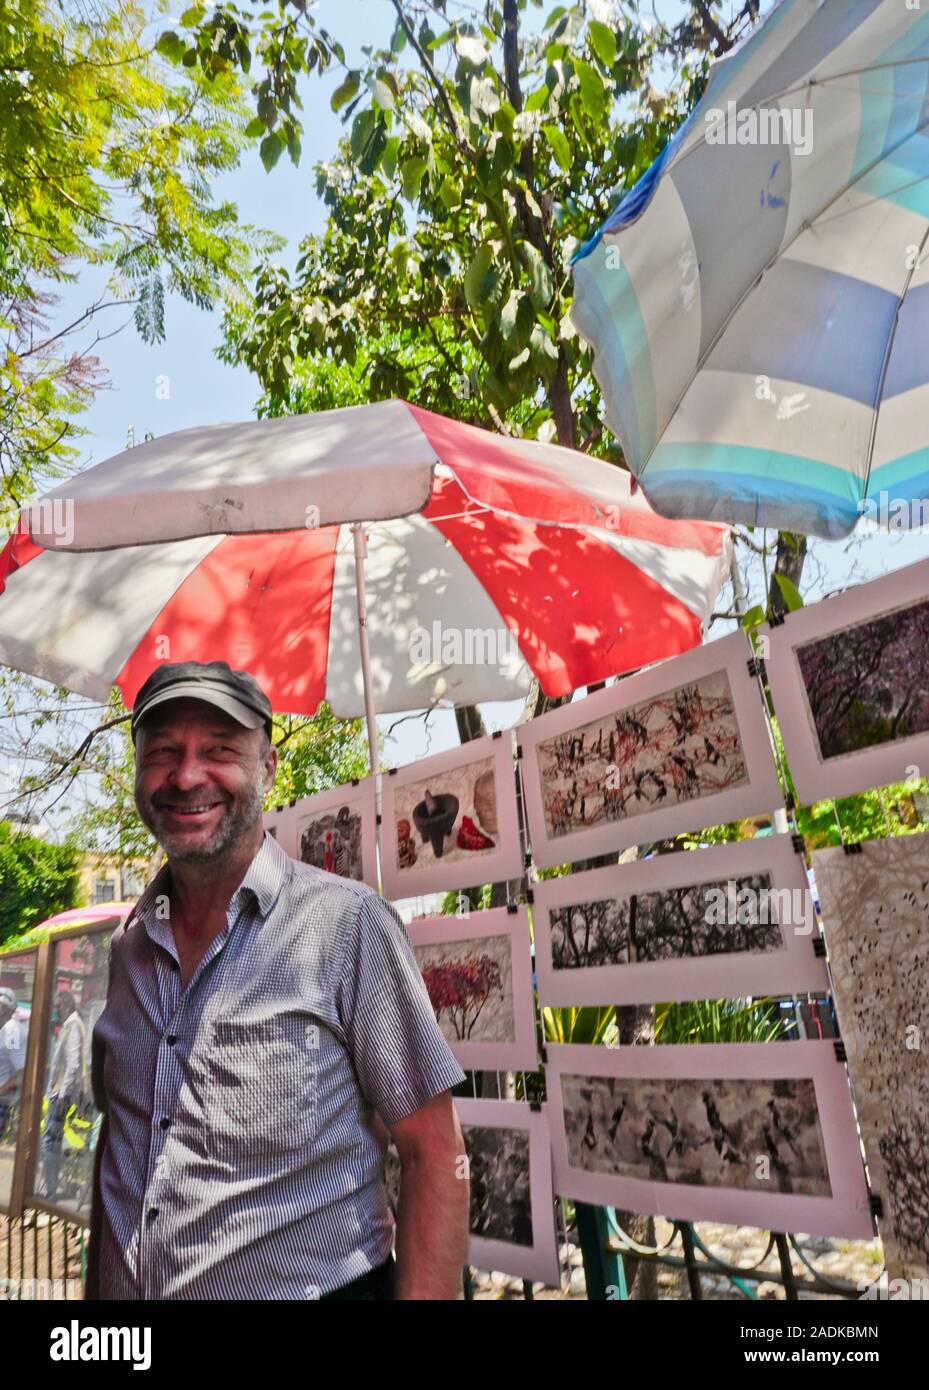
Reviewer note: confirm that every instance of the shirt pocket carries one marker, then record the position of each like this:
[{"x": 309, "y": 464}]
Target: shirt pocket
[{"x": 263, "y": 1083}]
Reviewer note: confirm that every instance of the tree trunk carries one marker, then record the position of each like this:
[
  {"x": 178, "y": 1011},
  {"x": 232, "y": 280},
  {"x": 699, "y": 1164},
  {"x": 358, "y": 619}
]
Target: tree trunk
[{"x": 789, "y": 561}]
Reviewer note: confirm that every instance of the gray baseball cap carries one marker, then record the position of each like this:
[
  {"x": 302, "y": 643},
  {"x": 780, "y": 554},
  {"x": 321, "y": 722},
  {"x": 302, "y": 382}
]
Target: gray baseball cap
[{"x": 216, "y": 683}]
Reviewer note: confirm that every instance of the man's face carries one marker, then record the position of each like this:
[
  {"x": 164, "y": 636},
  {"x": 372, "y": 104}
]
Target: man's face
[{"x": 201, "y": 779}]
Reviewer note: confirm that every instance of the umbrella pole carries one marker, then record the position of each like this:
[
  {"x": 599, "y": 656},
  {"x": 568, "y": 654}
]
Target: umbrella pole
[{"x": 360, "y": 552}]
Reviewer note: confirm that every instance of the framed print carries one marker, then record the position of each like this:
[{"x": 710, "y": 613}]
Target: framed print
[
  {"x": 478, "y": 971},
  {"x": 281, "y": 823},
  {"x": 450, "y": 821},
  {"x": 849, "y": 679},
  {"x": 17, "y": 982},
  {"x": 876, "y": 918},
  {"x": 337, "y": 831},
  {"x": 750, "y": 1134},
  {"x": 512, "y": 1201},
  {"x": 712, "y": 923},
  {"x": 682, "y": 745},
  {"x": 65, "y": 1117}
]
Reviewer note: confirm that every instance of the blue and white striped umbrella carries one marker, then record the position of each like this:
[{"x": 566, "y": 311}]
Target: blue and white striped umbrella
[{"x": 759, "y": 303}]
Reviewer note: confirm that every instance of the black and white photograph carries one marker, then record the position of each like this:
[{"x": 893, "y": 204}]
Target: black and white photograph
[
  {"x": 848, "y": 678},
  {"x": 760, "y": 1134},
  {"x": 756, "y": 1135},
  {"x": 509, "y": 1162},
  {"x": 722, "y": 921}
]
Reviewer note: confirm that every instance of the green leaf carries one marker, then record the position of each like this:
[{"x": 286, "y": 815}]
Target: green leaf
[
  {"x": 439, "y": 39},
  {"x": 538, "y": 99},
  {"x": 540, "y": 278},
  {"x": 603, "y": 42},
  {"x": 479, "y": 277},
  {"x": 593, "y": 92},
  {"x": 382, "y": 94},
  {"x": 450, "y": 194},
  {"x": 516, "y": 320},
  {"x": 255, "y": 128},
  {"x": 558, "y": 143},
  {"x": 271, "y": 148},
  {"x": 398, "y": 38},
  {"x": 753, "y": 618},
  {"x": 362, "y": 126},
  {"x": 411, "y": 176},
  {"x": 389, "y": 157},
  {"x": 789, "y": 592},
  {"x": 544, "y": 352},
  {"x": 345, "y": 91},
  {"x": 170, "y": 46}
]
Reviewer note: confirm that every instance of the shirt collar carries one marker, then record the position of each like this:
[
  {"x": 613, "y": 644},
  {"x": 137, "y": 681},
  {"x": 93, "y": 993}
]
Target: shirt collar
[{"x": 264, "y": 879}]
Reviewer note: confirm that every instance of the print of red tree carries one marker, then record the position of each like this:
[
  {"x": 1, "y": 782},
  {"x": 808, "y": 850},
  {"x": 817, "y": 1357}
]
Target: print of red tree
[{"x": 461, "y": 988}]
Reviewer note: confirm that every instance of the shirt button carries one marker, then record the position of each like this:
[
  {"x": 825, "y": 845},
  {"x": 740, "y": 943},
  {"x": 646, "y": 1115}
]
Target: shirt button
[
  {"x": 165, "y": 1122},
  {"x": 170, "y": 1039},
  {"x": 152, "y": 1213}
]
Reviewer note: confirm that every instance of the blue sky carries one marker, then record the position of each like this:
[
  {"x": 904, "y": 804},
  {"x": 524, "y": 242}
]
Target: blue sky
[{"x": 179, "y": 383}]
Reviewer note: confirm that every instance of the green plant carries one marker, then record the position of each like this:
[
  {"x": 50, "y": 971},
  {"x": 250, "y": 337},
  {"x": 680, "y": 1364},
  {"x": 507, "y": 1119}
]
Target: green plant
[{"x": 719, "y": 1021}]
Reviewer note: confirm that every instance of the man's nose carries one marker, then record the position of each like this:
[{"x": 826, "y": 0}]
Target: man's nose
[{"x": 188, "y": 772}]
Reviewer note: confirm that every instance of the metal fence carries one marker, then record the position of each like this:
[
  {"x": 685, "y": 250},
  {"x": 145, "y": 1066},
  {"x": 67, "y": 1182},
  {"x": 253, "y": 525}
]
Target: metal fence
[{"x": 42, "y": 1256}]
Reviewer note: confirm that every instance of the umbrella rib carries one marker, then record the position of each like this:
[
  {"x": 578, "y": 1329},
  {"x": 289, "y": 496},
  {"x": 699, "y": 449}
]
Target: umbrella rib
[
  {"x": 885, "y": 365},
  {"x": 804, "y": 227}
]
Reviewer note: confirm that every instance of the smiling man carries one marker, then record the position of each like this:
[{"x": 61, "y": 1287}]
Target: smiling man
[{"x": 265, "y": 1027}]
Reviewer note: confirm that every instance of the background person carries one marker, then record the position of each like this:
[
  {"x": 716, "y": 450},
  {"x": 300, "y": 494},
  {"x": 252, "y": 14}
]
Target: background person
[
  {"x": 13, "y": 1036},
  {"x": 64, "y": 1087}
]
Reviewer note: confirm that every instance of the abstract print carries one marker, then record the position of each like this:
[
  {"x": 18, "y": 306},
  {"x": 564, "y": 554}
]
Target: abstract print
[
  {"x": 501, "y": 1202},
  {"x": 757, "y": 1135},
  {"x": 679, "y": 746}
]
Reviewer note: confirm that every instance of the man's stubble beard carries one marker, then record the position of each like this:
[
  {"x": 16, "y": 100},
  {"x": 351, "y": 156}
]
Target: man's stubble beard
[{"x": 239, "y": 819}]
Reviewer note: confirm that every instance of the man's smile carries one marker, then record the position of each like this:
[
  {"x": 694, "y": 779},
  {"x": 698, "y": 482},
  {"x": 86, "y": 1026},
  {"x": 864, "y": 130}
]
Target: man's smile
[{"x": 189, "y": 815}]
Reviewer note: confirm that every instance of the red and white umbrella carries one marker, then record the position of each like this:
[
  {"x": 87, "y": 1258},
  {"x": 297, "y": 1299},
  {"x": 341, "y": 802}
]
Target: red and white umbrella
[{"x": 462, "y": 561}]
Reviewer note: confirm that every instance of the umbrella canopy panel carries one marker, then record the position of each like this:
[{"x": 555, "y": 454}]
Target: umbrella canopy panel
[
  {"x": 759, "y": 304},
  {"x": 523, "y": 559},
  {"x": 498, "y": 599}
]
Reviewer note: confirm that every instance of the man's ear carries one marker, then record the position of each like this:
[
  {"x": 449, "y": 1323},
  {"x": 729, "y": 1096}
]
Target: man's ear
[{"x": 270, "y": 766}]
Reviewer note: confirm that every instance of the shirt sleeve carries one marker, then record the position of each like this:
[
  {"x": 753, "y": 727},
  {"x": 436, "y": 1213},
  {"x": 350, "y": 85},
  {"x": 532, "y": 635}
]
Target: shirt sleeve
[{"x": 400, "y": 1054}]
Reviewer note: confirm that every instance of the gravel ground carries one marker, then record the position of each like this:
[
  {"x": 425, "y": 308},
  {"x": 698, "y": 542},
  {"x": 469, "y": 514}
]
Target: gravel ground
[{"x": 855, "y": 1262}]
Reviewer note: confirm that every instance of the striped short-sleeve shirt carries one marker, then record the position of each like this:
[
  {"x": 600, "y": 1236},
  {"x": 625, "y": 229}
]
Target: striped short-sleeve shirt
[{"x": 244, "y": 1156}]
